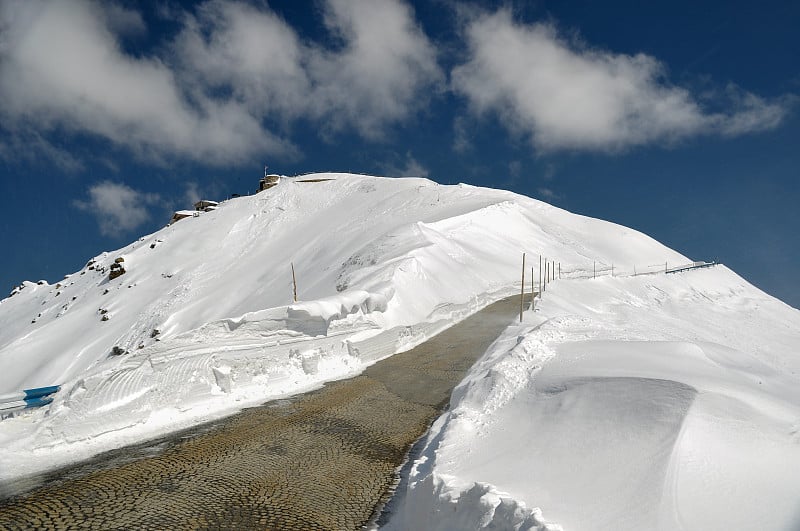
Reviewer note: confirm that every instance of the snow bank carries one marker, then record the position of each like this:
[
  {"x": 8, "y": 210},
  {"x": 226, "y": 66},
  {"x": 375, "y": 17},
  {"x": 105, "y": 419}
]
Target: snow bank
[
  {"x": 479, "y": 507},
  {"x": 314, "y": 317},
  {"x": 657, "y": 402}
]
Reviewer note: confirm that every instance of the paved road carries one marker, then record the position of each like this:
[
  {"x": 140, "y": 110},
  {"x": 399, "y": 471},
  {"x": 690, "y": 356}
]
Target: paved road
[{"x": 323, "y": 460}]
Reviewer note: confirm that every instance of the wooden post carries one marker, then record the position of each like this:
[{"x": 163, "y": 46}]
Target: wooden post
[
  {"x": 594, "y": 275},
  {"x": 294, "y": 283},
  {"x": 665, "y": 267},
  {"x": 545, "y": 273},
  {"x": 612, "y": 270},
  {"x": 540, "y": 276},
  {"x": 533, "y": 294},
  {"x": 522, "y": 290},
  {"x": 634, "y": 269}
]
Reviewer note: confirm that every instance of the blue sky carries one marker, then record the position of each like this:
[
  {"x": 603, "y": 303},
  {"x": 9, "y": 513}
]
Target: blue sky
[{"x": 679, "y": 119}]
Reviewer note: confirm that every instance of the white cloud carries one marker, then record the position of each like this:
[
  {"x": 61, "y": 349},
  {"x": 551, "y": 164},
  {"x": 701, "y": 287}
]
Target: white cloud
[
  {"x": 462, "y": 141},
  {"x": 123, "y": 21},
  {"x": 750, "y": 113},
  {"x": 30, "y": 146},
  {"x": 376, "y": 77},
  {"x": 568, "y": 96},
  {"x": 410, "y": 167},
  {"x": 192, "y": 193},
  {"x": 547, "y": 194},
  {"x": 62, "y": 67},
  {"x": 118, "y": 207},
  {"x": 214, "y": 95},
  {"x": 383, "y": 71},
  {"x": 249, "y": 51}
]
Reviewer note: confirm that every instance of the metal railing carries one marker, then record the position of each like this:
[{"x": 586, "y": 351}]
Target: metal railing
[{"x": 549, "y": 270}]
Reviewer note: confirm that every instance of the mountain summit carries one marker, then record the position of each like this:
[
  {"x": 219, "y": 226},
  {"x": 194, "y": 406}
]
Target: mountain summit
[{"x": 630, "y": 396}]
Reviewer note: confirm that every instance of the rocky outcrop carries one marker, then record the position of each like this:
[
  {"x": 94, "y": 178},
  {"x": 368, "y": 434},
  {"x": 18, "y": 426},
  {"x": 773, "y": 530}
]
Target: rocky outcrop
[{"x": 117, "y": 270}]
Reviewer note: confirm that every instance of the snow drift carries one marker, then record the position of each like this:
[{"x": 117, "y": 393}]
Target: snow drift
[{"x": 649, "y": 402}]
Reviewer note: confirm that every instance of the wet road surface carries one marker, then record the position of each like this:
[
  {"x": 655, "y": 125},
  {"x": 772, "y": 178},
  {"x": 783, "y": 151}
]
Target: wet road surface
[{"x": 322, "y": 460}]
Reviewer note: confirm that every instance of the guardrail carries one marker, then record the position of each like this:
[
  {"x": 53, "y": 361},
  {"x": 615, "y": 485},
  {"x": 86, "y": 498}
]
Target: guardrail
[
  {"x": 555, "y": 270},
  {"x": 27, "y": 399},
  {"x": 687, "y": 267},
  {"x": 551, "y": 269}
]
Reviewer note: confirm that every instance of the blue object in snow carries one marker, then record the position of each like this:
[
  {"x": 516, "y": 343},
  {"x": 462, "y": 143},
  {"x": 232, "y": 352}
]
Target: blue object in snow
[
  {"x": 41, "y": 391},
  {"x": 19, "y": 405},
  {"x": 29, "y": 395}
]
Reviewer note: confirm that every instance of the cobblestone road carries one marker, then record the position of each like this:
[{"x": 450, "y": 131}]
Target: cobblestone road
[{"x": 324, "y": 460}]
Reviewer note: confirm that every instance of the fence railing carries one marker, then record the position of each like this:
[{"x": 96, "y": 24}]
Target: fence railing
[
  {"x": 687, "y": 267},
  {"x": 549, "y": 270},
  {"x": 554, "y": 270}
]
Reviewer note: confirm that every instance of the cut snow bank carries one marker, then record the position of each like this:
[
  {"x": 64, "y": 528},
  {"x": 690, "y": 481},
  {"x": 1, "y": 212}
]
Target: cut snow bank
[
  {"x": 203, "y": 319},
  {"x": 315, "y": 317},
  {"x": 652, "y": 402}
]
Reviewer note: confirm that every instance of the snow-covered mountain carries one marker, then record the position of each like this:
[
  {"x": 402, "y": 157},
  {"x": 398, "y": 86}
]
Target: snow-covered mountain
[{"x": 617, "y": 403}]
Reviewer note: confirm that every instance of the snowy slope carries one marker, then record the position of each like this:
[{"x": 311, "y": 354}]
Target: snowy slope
[
  {"x": 373, "y": 234},
  {"x": 650, "y": 402},
  {"x": 381, "y": 265}
]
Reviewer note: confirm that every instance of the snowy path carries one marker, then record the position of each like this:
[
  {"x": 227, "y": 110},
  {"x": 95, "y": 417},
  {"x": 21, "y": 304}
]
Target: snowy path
[{"x": 324, "y": 460}]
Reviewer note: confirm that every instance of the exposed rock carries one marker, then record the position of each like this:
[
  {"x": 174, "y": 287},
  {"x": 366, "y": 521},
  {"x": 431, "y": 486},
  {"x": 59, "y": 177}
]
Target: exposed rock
[
  {"x": 118, "y": 351},
  {"x": 116, "y": 270},
  {"x": 17, "y": 290}
]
